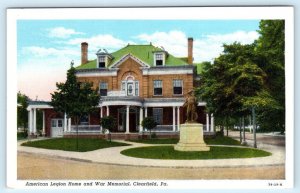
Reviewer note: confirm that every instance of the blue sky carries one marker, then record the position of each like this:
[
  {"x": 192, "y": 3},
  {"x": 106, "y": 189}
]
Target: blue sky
[{"x": 45, "y": 48}]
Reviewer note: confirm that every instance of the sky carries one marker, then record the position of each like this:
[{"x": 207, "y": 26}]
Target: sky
[{"x": 45, "y": 48}]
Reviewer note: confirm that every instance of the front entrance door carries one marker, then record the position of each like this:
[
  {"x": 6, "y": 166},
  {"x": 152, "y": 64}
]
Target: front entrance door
[
  {"x": 57, "y": 127},
  {"x": 133, "y": 122},
  {"x": 133, "y": 119}
]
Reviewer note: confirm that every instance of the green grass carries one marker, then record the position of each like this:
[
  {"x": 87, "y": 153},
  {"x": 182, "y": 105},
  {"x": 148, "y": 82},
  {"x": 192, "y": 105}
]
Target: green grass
[
  {"x": 168, "y": 152},
  {"x": 69, "y": 144},
  {"x": 155, "y": 141},
  {"x": 218, "y": 140},
  {"x": 221, "y": 140}
]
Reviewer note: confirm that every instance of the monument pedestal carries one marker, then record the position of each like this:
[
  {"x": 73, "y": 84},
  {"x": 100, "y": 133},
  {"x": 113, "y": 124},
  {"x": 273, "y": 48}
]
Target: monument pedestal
[{"x": 191, "y": 138}]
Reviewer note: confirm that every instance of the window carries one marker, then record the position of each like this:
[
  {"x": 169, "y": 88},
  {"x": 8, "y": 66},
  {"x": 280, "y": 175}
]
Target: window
[
  {"x": 59, "y": 123},
  {"x": 157, "y": 85},
  {"x": 177, "y": 87},
  {"x": 103, "y": 89},
  {"x": 53, "y": 123},
  {"x": 101, "y": 61},
  {"x": 84, "y": 120},
  {"x": 158, "y": 115},
  {"x": 159, "y": 59},
  {"x": 136, "y": 88},
  {"x": 123, "y": 88},
  {"x": 129, "y": 88}
]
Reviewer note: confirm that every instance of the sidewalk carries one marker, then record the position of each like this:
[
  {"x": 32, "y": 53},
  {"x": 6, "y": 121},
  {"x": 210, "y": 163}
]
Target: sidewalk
[{"x": 112, "y": 156}]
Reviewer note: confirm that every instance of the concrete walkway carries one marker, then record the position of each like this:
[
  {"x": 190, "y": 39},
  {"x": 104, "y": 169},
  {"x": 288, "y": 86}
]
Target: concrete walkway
[{"x": 112, "y": 156}]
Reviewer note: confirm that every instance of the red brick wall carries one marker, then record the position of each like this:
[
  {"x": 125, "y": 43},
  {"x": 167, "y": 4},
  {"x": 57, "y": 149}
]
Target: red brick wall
[{"x": 130, "y": 67}]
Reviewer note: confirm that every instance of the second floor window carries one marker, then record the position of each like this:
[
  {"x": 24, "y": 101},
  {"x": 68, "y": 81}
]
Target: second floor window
[
  {"x": 157, "y": 87},
  {"x": 177, "y": 87},
  {"x": 103, "y": 89},
  {"x": 101, "y": 61}
]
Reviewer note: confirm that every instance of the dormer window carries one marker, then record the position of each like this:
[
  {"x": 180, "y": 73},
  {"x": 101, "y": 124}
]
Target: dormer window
[
  {"x": 103, "y": 58},
  {"x": 159, "y": 59},
  {"x": 101, "y": 62}
]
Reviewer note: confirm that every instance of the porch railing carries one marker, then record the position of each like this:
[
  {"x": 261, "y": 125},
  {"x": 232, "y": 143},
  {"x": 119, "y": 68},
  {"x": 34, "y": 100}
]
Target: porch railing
[{"x": 86, "y": 128}]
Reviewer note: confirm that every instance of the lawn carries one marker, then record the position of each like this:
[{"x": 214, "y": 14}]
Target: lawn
[
  {"x": 69, "y": 144},
  {"x": 218, "y": 140},
  {"x": 168, "y": 152}
]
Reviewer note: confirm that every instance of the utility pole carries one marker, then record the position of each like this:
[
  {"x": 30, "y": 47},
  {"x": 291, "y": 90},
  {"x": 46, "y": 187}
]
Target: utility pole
[
  {"x": 244, "y": 134},
  {"x": 254, "y": 127}
]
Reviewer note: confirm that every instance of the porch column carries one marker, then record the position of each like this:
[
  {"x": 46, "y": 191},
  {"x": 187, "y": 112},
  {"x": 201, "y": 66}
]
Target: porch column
[
  {"x": 29, "y": 121},
  {"x": 65, "y": 122},
  {"x": 34, "y": 121},
  {"x": 101, "y": 112},
  {"x": 127, "y": 119},
  {"x": 43, "y": 132},
  {"x": 146, "y": 112},
  {"x": 69, "y": 124},
  {"x": 212, "y": 124},
  {"x": 141, "y": 119},
  {"x": 174, "y": 121},
  {"x": 178, "y": 118},
  {"x": 101, "y": 115},
  {"x": 207, "y": 122},
  {"x": 107, "y": 110}
]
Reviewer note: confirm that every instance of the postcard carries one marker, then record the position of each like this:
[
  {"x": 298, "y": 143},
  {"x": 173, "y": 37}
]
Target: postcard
[{"x": 150, "y": 98}]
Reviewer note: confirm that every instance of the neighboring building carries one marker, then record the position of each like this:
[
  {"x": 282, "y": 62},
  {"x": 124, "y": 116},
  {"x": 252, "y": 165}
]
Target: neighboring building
[{"x": 134, "y": 82}]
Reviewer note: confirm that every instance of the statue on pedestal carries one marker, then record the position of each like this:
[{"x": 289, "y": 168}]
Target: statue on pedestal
[
  {"x": 191, "y": 105},
  {"x": 191, "y": 132}
]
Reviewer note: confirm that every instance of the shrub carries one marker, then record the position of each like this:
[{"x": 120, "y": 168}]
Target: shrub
[{"x": 149, "y": 124}]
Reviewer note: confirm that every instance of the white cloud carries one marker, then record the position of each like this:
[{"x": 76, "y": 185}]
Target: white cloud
[
  {"x": 61, "y": 32},
  {"x": 174, "y": 42},
  {"x": 106, "y": 41},
  {"x": 205, "y": 49},
  {"x": 41, "y": 52}
]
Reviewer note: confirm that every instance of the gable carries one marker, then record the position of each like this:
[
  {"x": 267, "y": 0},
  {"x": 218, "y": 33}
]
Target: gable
[{"x": 126, "y": 57}]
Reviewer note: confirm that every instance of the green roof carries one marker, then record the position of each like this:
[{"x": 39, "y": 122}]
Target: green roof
[{"x": 142, "y": 52}]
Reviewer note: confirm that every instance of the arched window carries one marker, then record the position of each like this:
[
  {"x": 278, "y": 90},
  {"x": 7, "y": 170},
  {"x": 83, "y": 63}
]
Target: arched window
[{"x": 130, "y": 86}]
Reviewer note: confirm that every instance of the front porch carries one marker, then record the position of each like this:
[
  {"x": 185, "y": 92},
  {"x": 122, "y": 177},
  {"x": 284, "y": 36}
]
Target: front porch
[{"x": 129, "y": 113}]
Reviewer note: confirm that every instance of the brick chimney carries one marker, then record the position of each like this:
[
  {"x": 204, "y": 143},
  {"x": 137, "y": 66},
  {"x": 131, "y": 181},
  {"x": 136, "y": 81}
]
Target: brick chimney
[
  {"x": 190, "y": 51},
  {"x": 84, "y": 52}
]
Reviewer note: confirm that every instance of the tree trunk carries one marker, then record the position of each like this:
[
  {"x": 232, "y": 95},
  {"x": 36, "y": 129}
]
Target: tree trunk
[
  {"x": 240, "y": 126},
  {"x": 76, "y": 119}
]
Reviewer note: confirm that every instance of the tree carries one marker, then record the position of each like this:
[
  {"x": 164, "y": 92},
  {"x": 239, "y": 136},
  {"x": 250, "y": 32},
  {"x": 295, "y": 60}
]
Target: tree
[
  {"x": 108, "y": 123},
  {"x": 270, "y": 51},
  {"x": 74, "y": 98},
  {"x": 230, "y": 80},
  {"x": 149, "y": 123},
  {"x": 22, "y": 113}
]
